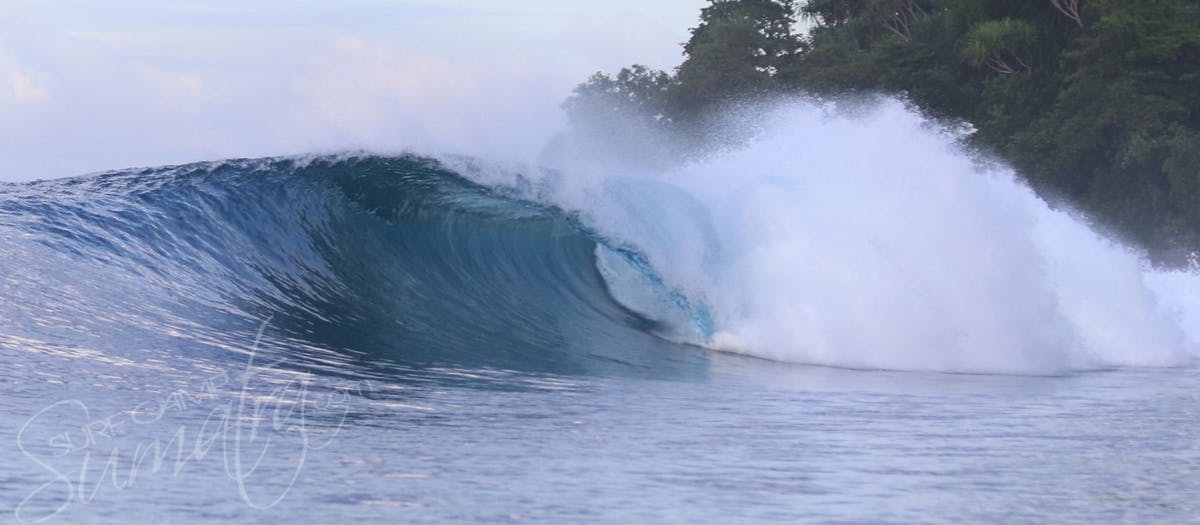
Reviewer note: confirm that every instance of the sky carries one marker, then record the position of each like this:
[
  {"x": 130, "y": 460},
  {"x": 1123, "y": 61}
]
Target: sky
[{"x": 89, "y": 85}]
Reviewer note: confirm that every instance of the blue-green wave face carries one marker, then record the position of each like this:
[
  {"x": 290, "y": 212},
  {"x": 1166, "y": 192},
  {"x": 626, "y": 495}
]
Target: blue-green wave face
[
  {"x": 825, "y": 242},
  {"x": 353, "y": 260}
]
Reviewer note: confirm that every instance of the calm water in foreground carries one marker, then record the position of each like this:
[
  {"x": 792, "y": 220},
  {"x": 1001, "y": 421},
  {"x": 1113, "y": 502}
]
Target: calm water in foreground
[{"x": 753, "y": 441}]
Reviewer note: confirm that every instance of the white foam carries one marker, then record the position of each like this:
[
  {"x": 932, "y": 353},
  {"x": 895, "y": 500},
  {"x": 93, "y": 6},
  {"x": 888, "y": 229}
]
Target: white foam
[{"x": 874, "y": 242}]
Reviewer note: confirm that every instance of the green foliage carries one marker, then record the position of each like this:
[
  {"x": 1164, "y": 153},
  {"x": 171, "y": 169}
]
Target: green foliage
[
  {"x": 1000, "y": 45},
  {"x": 636, "y": 92},
  {"x": 736, "y": 51},
  {"x": 1095, "y": 101}
]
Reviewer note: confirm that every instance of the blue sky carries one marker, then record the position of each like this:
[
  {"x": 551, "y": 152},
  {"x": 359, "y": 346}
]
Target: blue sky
[{"x": 87, "y": 85}]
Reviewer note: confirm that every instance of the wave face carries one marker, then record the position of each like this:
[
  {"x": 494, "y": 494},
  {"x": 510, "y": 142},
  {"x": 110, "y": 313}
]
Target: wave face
[
  {"x": 864, "y": 242},
  {"x": 394, "y": 258}
]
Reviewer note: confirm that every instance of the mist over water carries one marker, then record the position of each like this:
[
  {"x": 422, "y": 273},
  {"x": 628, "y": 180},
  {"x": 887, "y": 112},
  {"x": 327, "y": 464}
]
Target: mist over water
[
  {"x": 440, "y": 306},
  {"x": 866, "y": 241},
  {"x": 874, "y": 241}
]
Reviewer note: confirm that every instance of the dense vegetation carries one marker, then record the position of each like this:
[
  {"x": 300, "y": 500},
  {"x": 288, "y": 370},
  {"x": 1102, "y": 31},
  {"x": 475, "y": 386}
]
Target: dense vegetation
[{"x": 1094, "y": 101}]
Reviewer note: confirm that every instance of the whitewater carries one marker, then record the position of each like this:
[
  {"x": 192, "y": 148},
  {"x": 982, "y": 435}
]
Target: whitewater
[
  {"x": 866, "y": 239},
  {"x": 873, "y": 239},
  {"x": 844, "y": 317}
]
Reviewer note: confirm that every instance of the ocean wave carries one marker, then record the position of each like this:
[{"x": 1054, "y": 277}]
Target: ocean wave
[{"x": 826, "y": 240}]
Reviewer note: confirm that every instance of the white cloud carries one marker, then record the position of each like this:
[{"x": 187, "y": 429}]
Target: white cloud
[
  {"x": 24, "y": 89},
  {"x": 18, "y": 83},
  {"x": 180, "y": 91},
  {"x": 370, "y": 94},
  {"x": 136, "y": 82}
]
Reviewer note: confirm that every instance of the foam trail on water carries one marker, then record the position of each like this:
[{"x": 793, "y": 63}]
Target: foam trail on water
[{"x": 874, "y": 242}]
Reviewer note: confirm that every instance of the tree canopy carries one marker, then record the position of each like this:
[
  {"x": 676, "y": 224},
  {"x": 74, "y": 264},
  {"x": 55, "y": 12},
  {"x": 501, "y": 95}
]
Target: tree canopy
[{"x": 1096, "y": 102}]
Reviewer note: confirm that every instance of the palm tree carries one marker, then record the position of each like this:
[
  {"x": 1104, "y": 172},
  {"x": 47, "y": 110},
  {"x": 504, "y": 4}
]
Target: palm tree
[{"x": 1001, "y": 45}]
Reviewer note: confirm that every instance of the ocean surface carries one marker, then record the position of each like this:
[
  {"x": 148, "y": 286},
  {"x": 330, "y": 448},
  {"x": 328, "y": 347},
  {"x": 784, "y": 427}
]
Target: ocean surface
[{"x": 856, "y": 331}]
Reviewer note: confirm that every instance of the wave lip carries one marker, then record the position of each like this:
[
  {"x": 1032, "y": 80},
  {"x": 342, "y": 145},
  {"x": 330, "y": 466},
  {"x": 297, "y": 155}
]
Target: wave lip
[
  {"x": 874, "y": 241},
  {"x": 827, "y": 240}
]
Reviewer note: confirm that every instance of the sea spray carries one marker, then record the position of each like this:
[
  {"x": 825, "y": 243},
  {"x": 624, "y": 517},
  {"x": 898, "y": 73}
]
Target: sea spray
[
  {"x": 869, "y": 240},
  {"x": 874, "y": 240}
]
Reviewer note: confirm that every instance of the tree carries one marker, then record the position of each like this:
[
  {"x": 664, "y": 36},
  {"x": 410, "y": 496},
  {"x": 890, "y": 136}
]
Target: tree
[
  {"x": 1001, "y": 45},
  {"x": 636, "y": 92},
  {"x": 894, "y": 16},
  {"x": 832, "y": 13},
  {"x": 1093, "y": 102},
  {"x": 1070, "y": 9},
  {"x": 735, "y": 51}
]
